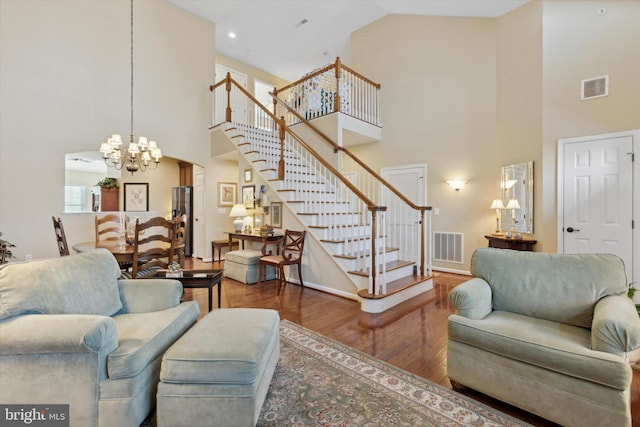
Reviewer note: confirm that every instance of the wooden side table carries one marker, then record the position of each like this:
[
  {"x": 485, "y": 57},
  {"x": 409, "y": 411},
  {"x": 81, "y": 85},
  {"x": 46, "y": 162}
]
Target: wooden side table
[
  {"x": 224, "y": 243},
  {"x": 502, "y": 242}
]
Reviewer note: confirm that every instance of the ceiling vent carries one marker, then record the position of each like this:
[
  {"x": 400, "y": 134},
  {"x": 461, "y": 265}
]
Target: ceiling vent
[{"x": 595, "y": 87}]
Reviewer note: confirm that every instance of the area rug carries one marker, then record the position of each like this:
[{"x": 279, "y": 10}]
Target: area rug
[{"x": 320, "y": 382}]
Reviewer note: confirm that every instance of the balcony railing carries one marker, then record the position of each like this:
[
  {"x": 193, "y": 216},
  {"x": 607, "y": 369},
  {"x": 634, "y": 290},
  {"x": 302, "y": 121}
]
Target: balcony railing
[{"x": 335, "y": 88}]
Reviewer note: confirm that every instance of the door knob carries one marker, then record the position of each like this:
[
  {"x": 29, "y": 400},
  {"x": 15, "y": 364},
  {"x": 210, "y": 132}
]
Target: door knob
[{"x": 571, "y": 229}]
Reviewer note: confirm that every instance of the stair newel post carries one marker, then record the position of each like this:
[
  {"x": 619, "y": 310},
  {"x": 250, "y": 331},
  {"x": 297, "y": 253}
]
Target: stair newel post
[
  {"x": 336, "y": 106},
  {"x": 373, "y": 289},
  {"x": 422, "y": 241},
  {"x": 281, "y": 133},
  {"x": 275, "y": 102},
  {"x": 227, "y": 87}
]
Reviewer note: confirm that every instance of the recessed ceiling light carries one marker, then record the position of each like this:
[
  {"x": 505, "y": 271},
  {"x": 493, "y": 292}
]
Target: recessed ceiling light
[{"x": 232, "y": 35}]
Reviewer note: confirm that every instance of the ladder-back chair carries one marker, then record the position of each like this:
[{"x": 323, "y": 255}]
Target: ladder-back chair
[
  {"x": 154, "y": 251},
  {"x": 61, "y": 238},
  {"x": 108, "y": 227}
]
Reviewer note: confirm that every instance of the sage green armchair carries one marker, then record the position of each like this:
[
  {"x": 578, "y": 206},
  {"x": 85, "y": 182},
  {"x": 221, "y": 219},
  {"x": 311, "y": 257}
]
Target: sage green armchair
[
  {"x": 72, "y": 333},
  {"x": 553, "y": 334}
]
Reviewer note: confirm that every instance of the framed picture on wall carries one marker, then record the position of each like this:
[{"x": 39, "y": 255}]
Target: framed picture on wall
[
  {"x": 248, "y": 194},
  {"x": 276, "y": 214},
  {"x": 136, "y": 196},
  {"x": 227, "y": 193},
  {"x": 248, "y": 175}
]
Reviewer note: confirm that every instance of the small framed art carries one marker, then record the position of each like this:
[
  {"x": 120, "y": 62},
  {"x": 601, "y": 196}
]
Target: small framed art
[
  {"x": 136, "y": 196},
  {"x": 276, "y": 214},
  {"x": 248, "y": 175},
  {"x": 227, "y": 193},
  {"x": 248, "y": 195}
]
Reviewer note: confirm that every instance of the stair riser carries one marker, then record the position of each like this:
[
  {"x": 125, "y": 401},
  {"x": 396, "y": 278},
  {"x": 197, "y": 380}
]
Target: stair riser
[
  {"x": 341, "y": 233},
  {"x": 322, "y": 220},
  {"x": 362, "y": 282},
  {"x": 319, "y": 207},
  {"x": 352, "y": 264},
  {"x": 358, "y": 245},
  {"x": 304, "y": 185}
]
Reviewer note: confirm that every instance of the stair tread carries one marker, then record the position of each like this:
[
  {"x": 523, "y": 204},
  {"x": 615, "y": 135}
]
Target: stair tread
[
  {"x": 364, "y": 253},
  {"x": 391, "y": 265},
  {"x": 396, "y": 286}
]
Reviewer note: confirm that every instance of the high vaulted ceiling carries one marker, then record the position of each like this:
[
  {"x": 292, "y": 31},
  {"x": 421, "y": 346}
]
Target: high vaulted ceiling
[{"x": 272, "y": 34}]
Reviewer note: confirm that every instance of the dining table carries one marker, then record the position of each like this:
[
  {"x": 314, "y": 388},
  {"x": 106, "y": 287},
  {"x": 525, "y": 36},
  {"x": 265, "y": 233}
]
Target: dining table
[{"x": 122, "y": 252}]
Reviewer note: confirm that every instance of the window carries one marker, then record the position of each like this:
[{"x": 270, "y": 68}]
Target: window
[{"x": 74, "y": 198}]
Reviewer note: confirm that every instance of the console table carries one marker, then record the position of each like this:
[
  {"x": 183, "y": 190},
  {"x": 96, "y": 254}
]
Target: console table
[
  {"x": 252, "y": 237},
  {"x": 502, "y": 242}
]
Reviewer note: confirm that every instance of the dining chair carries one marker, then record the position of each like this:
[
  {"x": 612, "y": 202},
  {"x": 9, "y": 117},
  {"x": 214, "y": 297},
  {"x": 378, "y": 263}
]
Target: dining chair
[
  {"x": 108, "y": 227},
  {"x": 61, "y": 238},
  {"x": 154, "y": 250},
  {"x": 179, "y": 238},
  {"x": 289, "y": 254}
]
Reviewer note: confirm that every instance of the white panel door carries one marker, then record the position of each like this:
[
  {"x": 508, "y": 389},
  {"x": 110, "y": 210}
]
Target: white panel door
[
  {"x": 597, "y": 198},
  {"x": 403, "y": 222}
]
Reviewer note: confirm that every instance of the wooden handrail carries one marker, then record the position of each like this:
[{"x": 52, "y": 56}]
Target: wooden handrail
[
  {"x": 356, "y": 191},
  {"x": 357, "y": 74},
  {"x": 307, "y": 77},
  {"x": 336, "y": 147}
]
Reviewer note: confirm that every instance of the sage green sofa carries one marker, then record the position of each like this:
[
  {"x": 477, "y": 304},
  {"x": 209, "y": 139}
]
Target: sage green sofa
[
  {"x": 72, "y": 333},
  {"x": 549, "y": 333}
]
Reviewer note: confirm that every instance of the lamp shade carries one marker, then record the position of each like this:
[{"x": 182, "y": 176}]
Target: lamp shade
[
  {"x": 497, "y": 204},
  {"x": 238, "y": 211},
  {"x": 513, "y": 204}
]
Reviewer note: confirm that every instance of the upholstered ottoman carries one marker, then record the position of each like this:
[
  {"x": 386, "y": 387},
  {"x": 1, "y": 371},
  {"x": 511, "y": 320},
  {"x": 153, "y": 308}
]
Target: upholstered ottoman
[
  {"x": 243, "y": 266},
  {"x": 218, "y": 373}
]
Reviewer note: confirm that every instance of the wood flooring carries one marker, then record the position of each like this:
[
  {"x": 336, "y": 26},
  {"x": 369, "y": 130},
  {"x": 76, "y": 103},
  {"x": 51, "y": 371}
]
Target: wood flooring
[{"x": 412, "y": 336}]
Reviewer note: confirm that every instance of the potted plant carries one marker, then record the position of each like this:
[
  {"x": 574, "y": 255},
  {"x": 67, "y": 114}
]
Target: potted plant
[
  {"x": 108, "y": 183},
  {"x": 5, "y": 250},
  {"x": 109, "y": 195}
]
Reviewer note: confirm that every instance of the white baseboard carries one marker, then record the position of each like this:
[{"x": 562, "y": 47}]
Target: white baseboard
[{"x": 452, "y": 270}]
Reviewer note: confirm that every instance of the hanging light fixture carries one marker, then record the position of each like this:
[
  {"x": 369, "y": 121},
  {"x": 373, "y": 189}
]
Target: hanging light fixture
[{"x": 138, "y": 156}]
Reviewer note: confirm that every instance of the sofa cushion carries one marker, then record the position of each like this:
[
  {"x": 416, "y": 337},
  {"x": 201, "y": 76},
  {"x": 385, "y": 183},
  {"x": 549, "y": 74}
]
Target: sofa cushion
[
  {"x": 551, "y": 345},
  {"x": 538, "y": 284},
  {"x": 142, "y": 337},
  {"x": 85, "y": 283}
]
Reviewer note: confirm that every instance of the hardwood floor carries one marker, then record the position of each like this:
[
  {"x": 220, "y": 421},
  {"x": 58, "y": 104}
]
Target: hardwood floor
[{"x": 412, "y": 336}]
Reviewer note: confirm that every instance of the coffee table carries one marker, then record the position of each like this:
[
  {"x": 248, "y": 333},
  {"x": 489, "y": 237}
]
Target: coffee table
[{"x": 197, "y": 279}]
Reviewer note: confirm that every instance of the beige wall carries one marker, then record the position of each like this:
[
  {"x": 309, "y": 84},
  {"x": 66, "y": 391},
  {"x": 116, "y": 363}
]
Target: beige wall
[
  {"x": 578, "y": 43},
  {"x": 519, "y": 98},
  {"x": 438, "y": 78},
  {"x": 64, "y": 79}
]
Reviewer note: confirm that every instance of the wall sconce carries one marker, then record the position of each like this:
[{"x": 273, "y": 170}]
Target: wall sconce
[
  {"x": 497, "y": 205},
  {"x": 457, "y": 184}
]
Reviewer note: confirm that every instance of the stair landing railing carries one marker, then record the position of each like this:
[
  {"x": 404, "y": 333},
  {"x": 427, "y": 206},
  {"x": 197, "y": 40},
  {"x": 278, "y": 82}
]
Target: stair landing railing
[{"x": 334, "y": 88}]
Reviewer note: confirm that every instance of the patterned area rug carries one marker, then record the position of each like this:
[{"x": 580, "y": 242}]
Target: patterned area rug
[{"x": 320, "y": 382}]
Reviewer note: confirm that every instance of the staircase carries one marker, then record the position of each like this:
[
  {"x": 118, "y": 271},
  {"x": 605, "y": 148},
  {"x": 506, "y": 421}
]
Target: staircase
[{"x": 366, "y": 228}]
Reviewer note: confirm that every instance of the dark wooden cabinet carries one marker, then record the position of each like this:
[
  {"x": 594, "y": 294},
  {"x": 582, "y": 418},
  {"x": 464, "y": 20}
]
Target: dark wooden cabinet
[
  {"x": 502, "y": 242},
  {"x": 110, "y": 200}
]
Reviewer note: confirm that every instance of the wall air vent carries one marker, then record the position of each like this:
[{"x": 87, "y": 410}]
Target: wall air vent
[
  {"x": 595, "y": 87},
  {"x": 448, "y": 247}
]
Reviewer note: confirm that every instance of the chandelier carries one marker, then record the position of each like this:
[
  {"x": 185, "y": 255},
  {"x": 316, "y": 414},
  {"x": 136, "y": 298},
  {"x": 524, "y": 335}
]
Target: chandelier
[{"x": 138, "y": 156}]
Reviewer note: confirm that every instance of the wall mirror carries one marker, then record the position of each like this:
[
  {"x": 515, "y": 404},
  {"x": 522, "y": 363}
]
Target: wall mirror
[
  {"x": 516, "y": 186},
  {"x": 82, "y": 172}
]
